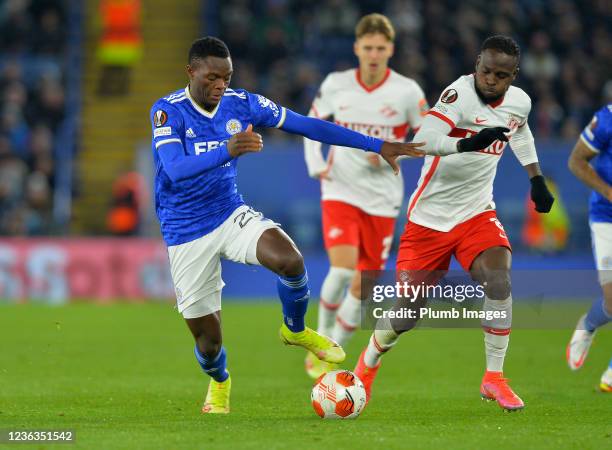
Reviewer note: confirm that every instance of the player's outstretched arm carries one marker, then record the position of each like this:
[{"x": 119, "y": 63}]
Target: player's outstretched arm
[
  {"x": 180, "y": 166},
  {"x": 332, "y": 134}
]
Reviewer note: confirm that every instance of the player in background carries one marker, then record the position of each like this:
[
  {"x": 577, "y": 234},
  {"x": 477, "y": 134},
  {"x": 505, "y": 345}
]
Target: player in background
[
  {"x": 452, "y": 213},
  {"x": 596, "y": 141},
  {"x": 198, "y": 133},
  {"x": 361, "y": 198}
]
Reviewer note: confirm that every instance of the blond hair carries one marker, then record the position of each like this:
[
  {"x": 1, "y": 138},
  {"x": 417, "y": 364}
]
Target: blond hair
[{"x": 375, "y": 23}]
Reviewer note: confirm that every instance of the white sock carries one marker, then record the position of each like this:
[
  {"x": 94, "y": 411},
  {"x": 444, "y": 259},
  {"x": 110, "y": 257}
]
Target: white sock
[
  {"x": 333, "y": 288},
  {"x": 497, "y": 332},
  {"x": 495, "y": 350},
  {"x": 347, "y": 319},
  {"x": 607, "y": 376},
  {"x": 381, "y": 341}
]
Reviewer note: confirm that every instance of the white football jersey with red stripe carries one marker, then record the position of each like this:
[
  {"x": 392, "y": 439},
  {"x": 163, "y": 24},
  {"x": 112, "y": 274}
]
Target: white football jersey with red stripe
[
  {"x": 387, "y": 111},
  {"x": 454, "y": 188}
]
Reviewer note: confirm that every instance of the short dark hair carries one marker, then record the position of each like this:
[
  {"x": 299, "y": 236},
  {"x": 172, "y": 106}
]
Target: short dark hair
[
  {"x": 504, "y": 44},
  {"x": 208, "y": 46}
]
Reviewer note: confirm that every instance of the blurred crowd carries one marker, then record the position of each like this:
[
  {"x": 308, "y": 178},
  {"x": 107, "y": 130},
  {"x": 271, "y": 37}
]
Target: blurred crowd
[
  {"x": 32, "y": 41},
  {"x": 284, "y": 48}
]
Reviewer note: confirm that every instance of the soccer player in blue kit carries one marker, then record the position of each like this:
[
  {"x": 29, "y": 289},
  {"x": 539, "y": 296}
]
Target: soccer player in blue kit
[
  {"x": 596, "y": 141},
  {"x": 198, "y": 133}
]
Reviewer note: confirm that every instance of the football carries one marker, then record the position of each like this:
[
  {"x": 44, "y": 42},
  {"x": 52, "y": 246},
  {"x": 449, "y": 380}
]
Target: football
[{"x": 338, "y": 395}]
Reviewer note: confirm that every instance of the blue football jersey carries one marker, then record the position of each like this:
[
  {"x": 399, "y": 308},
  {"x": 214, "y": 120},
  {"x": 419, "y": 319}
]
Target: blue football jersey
[
  {"x": 193, "y": 207},
  {"x": 598, "y": 137}
]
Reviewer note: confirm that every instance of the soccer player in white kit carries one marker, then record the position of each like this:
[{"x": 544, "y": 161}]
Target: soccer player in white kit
[
  {"x": 596, "y": 142},
  {"x": 360, "y": 197},
  {"x": 452, "y": 210}
]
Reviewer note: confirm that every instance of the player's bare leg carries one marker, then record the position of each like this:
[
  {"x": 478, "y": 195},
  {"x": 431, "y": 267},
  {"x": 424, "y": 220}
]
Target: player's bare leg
[
  {"x": 342, "y": 261},
  {"x": 211, "y": 356},
  {"x": 277, "y": 252},
  {"x": 492, "y": 269}
]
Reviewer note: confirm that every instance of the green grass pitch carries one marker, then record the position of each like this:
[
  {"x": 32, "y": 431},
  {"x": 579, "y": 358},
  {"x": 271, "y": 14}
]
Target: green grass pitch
[{"x": 124, "y": 376}]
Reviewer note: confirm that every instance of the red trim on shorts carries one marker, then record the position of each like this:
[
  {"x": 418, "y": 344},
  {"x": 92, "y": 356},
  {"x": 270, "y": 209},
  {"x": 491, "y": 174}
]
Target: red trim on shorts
[
  {"x": 496, "y": 331},
  {"x": 430, "y": 173},
  {"x": 377, "y": 85},
  {"x": 345, "y": 325},
  {"x": 441, "y": 117},
  {"x": 329, "y": 306}
]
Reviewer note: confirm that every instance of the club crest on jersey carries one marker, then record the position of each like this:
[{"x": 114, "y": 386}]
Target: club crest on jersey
[
  {"x": 160, "y": 117},
  {"x": 233, "y": 126},
  {"x": 513, "y": 123},
  {"x": 449, "y": 96}
]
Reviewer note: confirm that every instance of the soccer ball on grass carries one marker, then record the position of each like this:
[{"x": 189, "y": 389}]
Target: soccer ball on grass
[{"x": 338, "y": 395}]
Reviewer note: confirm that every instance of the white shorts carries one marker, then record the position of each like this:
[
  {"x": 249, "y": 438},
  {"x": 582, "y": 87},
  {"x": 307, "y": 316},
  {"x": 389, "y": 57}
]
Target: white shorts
[
  {"x": 601, "y": 236},
  {"x": 196, "y": 266}
]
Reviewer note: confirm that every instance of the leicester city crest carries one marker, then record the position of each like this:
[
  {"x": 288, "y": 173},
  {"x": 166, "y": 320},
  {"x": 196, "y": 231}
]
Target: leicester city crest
[{"x": 233, "y": 126}]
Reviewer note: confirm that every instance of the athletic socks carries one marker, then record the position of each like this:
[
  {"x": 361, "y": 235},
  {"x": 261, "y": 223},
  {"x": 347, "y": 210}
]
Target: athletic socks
[
  {"x": 294, "y": 294},
  {"x": 597, "y": 316},
  {"x": 497, "y": 332},
  {"x": 332, "y": 291},
  {"x": 215, "y": 367},
  {"x": 347, "y": 319},
  {"x": 381, "y": 341},
  {"x": 495, "y": 350}
]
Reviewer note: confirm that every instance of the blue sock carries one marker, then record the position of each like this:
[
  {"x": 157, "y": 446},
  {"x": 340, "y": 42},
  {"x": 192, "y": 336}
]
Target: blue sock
[
  {"x": 294, "y": 295},
  {"x": 610, "y": 365},
  {"x": 597, "y": 316},
  {"x": 215, "y": 367}
]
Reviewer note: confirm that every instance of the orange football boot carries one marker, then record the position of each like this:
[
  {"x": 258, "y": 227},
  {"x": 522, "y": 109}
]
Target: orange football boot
[
  {"x": 495, "y": 387},
  {"x": 366, "y": 374}
]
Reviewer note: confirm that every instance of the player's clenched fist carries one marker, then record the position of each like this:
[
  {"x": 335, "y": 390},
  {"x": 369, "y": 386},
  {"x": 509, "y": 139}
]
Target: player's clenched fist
[
  {"x": 245, "y": 142},
  {"x": 391, "y": 150},
  {"x": 483, "y": 139}
]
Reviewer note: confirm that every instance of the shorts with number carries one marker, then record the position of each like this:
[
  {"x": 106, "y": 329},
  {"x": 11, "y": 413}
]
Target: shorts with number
[
  {"x": 345, "y": 224},
  {"x": 601, "y": 236},
  {"x": 423, "y": 248},
  {"x": 196, "y": 266}
]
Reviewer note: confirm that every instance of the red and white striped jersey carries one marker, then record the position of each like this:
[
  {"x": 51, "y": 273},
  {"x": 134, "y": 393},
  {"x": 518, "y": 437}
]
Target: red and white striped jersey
[
  {"x": 454, "y": 188},
  {"x": 387, "y": 111}
]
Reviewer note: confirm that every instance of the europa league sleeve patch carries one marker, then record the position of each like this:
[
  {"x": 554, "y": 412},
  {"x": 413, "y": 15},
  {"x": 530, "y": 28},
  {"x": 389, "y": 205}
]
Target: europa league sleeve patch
[
  {"x": 160, "y": 118},
  {"x": 449, "y": 96}
]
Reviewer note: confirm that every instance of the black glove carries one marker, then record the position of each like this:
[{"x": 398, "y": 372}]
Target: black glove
[
  {"x": 540, "y": 194},
  {"x": 483, "y": 139}
]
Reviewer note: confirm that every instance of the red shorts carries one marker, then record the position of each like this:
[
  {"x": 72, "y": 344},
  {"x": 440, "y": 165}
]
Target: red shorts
[
  {"x": 345, "y": 224},
  {"x": 423, "y": 248}
]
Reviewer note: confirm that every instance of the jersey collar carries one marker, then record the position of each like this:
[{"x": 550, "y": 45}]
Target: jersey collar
[
  {"x": 199, "y": 109},
  {"x": 377, "y": 85}
]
